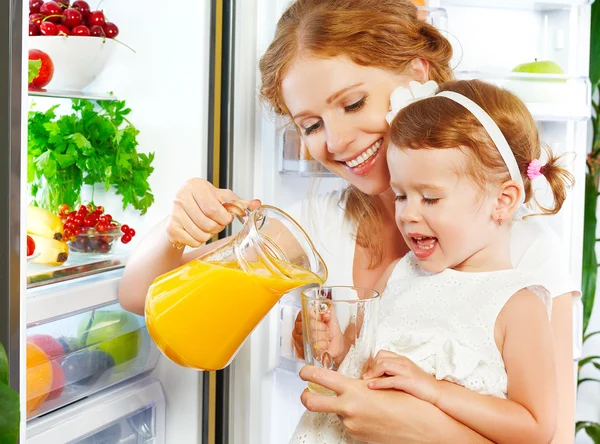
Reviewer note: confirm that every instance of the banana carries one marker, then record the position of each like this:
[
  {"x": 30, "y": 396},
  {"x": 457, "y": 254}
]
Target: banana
[
  {"x": 52, "y": 251},
  {"x": 44, "y": 223}
]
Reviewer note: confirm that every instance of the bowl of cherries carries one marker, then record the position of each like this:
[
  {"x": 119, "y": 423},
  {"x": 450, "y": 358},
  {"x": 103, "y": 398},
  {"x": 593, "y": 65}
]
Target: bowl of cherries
[
  {"x": 89, "y": 229},
  {"x": 79, "y": 41}
]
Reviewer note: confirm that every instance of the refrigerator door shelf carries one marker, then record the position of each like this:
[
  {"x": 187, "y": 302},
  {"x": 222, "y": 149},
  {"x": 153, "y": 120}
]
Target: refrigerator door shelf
[
  {"x": 129, "y": 413},
  {"x": 81, "y": 354},
  {"x": 69, "y": 95},
  {"x": 548, "y": 97}
]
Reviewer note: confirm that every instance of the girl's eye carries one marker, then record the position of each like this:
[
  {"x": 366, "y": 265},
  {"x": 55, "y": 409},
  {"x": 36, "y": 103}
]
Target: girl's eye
[
  {"x": 399, "y": 198},
  {"x": 311, "y": 129},
  {"x": 429, "y": 201},
  {"x": 356, "y": 105}
]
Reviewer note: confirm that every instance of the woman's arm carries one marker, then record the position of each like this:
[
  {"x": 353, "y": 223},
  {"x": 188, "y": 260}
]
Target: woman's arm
[
  {"x": 562, "y": 329},
  {"x": 384, "y": 416}
]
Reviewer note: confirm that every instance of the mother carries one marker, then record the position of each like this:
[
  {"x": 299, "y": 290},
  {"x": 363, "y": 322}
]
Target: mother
[{"x": 331, "y": 68}]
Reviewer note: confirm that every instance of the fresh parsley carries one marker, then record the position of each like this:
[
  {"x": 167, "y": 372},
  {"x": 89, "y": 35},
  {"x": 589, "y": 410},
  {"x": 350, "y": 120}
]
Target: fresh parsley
[{"x": 94, "y": 144}]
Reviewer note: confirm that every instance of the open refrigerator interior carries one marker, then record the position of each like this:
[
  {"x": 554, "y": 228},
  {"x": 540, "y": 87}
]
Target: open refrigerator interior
[
  {"x": 110, "y": 383},
  {"x": 508, "y": 43}
]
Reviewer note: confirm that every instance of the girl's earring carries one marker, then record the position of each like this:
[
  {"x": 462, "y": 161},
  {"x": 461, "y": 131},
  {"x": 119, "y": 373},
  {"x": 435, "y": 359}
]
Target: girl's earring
[{"x": 500, "y": 221}]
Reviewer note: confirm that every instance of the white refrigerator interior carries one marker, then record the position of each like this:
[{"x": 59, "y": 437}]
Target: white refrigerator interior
[
  {"x": 489, "y": 38},
  {"x": 165, "y": 83}
]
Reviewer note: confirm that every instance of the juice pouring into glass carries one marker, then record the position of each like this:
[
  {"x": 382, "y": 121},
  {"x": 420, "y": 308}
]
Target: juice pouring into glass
[{"x": 200, "y": 313}]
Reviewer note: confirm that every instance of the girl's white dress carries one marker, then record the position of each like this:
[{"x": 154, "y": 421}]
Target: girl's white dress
[{"x": 445, "y": 324}]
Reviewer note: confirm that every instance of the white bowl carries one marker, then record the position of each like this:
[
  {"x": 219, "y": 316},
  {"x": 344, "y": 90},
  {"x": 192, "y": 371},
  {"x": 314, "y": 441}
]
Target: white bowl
[{"x": 77, "y": 60}]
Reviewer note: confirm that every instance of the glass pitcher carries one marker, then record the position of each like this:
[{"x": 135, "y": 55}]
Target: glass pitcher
[{"x": 200, "y": 313}]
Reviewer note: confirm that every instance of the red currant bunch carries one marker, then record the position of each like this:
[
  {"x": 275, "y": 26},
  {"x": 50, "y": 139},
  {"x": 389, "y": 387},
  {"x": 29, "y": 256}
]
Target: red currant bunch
[{"x": 128, "y": 233}]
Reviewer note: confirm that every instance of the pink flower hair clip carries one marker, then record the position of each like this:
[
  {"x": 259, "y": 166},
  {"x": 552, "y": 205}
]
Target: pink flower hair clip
[{"x": 534, "y": 169}]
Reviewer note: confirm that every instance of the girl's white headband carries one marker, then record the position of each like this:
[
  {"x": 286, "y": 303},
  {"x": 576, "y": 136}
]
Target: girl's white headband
[{"x": 402, "y": 97}]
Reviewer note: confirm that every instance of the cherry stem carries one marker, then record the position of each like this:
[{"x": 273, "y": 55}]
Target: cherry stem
[
  {"x": 51, "y": 16},
  {"x": 124, "y": 44},
  {"x": 98, "y": 5}
]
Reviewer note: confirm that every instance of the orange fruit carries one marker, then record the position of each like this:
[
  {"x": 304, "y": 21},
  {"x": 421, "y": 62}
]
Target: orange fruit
[{"x": 39, "y": 377}]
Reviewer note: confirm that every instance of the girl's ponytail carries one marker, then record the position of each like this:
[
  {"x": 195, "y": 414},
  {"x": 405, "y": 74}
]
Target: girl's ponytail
[{"x": 559, "y": 180}]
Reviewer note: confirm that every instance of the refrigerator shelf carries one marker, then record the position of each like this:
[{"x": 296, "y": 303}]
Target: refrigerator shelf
[
  {"x": 549, "y": 97},
  {"x": 537, "y": 5},
  {"x": 75, "y": 355},
  {"x": 77, "y": 266},
  {"x": 59, "y": 94}
]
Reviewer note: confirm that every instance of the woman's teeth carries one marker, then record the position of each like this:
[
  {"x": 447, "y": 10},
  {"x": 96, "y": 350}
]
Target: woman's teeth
[{"x": 364, "y": 156}]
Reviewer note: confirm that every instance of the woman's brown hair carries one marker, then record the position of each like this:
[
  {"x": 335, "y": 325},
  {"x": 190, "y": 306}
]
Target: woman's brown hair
[
  {"x": 385, "y": 34},
  {"x": 441, "y": 123}
]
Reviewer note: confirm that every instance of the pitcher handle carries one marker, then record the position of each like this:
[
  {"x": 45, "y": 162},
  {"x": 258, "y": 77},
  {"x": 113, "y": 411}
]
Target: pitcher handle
[{"x": 239, "y": 209}]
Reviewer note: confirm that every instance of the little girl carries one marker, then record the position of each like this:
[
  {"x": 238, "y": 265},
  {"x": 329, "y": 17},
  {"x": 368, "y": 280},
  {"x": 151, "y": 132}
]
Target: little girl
[{"x": 459, "y": 327}]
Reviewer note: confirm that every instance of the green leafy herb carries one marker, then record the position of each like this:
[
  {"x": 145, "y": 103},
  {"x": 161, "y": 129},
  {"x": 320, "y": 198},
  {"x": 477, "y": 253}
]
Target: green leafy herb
[
  {"x": 9, "y": 405},
  {"x": 96, "y": 144},
  {"x": 33, "y": 70}
]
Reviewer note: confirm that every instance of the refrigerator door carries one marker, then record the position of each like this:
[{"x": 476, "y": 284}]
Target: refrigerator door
[{"x": 131, "y": 413}]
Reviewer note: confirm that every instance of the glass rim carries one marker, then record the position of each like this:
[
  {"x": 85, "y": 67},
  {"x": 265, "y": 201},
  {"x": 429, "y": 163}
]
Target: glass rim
[{"x": 374, "y": 293}]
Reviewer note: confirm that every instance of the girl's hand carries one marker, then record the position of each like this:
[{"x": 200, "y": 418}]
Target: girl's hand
[
  {"x": 400, "y": 373},
  {"x": 325, "y": 334},
  {"x": 198, "y": 213},
  {"x": 298, "y": 337}
]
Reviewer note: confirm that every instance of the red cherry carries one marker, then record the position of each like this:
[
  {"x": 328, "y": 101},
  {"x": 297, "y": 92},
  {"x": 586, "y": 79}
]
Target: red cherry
[
  {"x": 108, "y": 218},
  {"x": 131, "y": 232},
  {"x": 33, "y": 30},
  {"x": 36, "y": 19},
  {"x": 80, "y": 30},
  {"x": 67, "y": 233},
  {"x": 48, "y": 28},
  {"x": 83, "y": 209},
  {"x": 51, "y": 8},
  {"x": 97, "y": 31},
  {"x": 82, "y": 7},
  {"x": 111, "y": 30},
  {"x": 126, "y": 239},
  {"x": 35, "y": 5},
  {"x": 101, "y": 228},
  {"x": 100, "y": 209},
  {"x": 71, "y": 17},
  {"x": 63, "y": 30},
  {"x": 124, "y": 228},
  {"x": 96, "y": 18}
]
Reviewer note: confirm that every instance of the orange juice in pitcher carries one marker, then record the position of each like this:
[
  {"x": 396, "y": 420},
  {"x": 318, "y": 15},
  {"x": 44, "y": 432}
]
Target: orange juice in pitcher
[{"x": 200, "y": 313}]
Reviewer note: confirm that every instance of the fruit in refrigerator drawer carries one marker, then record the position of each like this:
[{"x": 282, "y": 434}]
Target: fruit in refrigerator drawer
[
  {"x": 49, "y": 345},
  {"x": 38, "y": 377},
  {"x": 58, "y": 381},
  {"x": 60, "y": 18},
  {"x": 86, "y": 367},
  {"x": 46, "y": 69},
  {"x": 115, "y": 332}
]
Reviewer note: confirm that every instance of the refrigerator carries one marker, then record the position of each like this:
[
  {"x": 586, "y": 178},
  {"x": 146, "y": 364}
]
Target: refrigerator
[{"x": 192, "y": 86}]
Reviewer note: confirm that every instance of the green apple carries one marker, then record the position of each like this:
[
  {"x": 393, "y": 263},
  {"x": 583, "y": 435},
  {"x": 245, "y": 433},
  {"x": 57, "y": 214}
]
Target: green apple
[
  {"x": 539, "y": 67},
  {"x": 115, "y": 332}
]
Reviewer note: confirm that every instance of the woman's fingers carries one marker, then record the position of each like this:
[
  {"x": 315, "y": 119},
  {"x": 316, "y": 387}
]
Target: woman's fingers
[
  {"x": 320, "y": 403},
  {"x": 385, "y": 383},
  {"x": 327, "y": 378}
]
